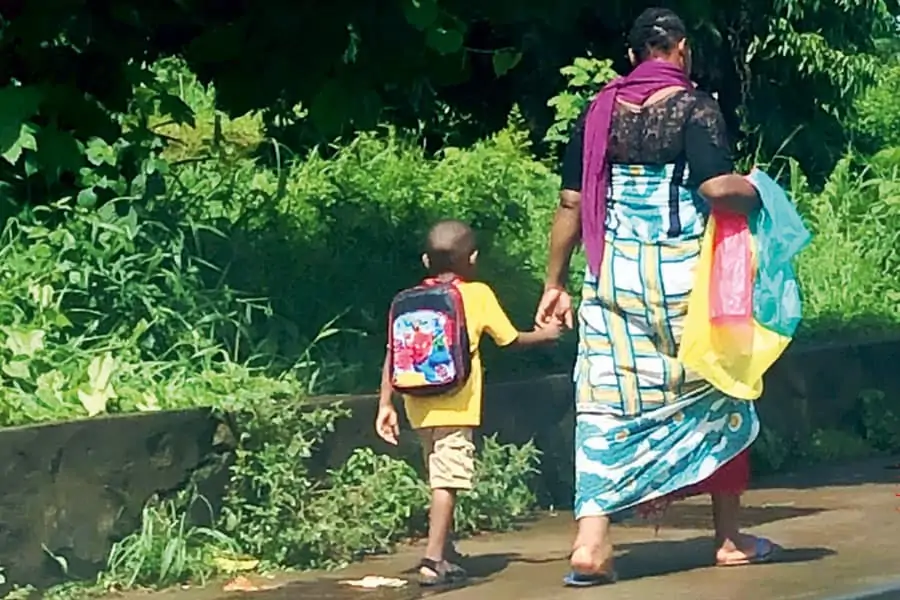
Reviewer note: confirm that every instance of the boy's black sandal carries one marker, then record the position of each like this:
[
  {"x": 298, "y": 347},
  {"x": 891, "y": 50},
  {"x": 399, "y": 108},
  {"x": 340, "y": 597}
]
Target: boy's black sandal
[{"x": 451, "y": 574}]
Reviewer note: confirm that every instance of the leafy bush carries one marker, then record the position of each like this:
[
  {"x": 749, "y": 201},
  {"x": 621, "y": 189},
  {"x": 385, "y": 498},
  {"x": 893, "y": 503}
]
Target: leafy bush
[
  {"x": 880, "y": 420},
  {"x": 586, "y": 76},
  {"x": 502, "y": 494},
  {"x": 876, "y": 122},
  {"x": 106, "y": 310},
  {"x": 850, "y": 273},
  {"x": 279, "y": 511},
  {"x": 343, "y": 235},
  {"x": 277, "y": 514}
]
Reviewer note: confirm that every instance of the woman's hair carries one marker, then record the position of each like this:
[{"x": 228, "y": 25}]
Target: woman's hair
[{"x": 656, "y": 30}]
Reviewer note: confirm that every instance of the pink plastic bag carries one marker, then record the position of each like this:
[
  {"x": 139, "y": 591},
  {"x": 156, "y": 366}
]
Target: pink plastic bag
[
  {"x": 731, "y": 284},
  {"x": 731, "y": 280}
]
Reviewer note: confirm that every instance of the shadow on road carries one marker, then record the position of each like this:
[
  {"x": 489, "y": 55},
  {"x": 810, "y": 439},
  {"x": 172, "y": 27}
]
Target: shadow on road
[
  {"x": 654, "y": 558},
  {"x": 872, "y": 471}
]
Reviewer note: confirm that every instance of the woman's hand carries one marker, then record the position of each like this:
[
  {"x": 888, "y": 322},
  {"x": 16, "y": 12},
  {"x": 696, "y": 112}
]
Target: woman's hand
[{"x": 555, "y": 307}]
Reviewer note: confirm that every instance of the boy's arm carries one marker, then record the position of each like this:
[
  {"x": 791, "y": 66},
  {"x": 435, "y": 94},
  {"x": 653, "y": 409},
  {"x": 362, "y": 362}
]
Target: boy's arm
[
  {"x": 385, "y": 392},
  {"x": 504, "y": 333},
  {"x": 386, "y": 422},
  {"x": 549, "y": 333}
]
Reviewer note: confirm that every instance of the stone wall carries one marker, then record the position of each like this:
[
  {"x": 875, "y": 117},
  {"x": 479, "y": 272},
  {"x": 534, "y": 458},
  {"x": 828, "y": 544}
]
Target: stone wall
[{"x": 74, "y": 488}]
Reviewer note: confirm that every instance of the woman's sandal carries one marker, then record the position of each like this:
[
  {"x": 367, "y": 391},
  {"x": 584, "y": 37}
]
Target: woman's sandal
[
  {"x": 450, "y": 574},
  {"x": 764, "y": 550},
  {"x": 576, "y": 579}
]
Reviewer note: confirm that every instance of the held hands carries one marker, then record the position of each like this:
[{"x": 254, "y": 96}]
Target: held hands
[
  {"x": 551, "y": 331},
  {"x": 387, "y": 424},
  {"x": 554, "y": 310}
]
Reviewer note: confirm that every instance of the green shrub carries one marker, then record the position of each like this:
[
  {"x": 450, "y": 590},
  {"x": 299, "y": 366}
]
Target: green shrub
[
  {"x": 585, "y": 77},
  {"x": 108, "y": 311},
  {"x": 880, "y": 420},
  {"x": 502, "y": 495},
  {"x": 850, "y": 273},
  {"x": 280, "y": 512},
  {"x": 876, "y": 122},
  {"x": 167, "y": 550},
  {"x": 343, "y": 235}
]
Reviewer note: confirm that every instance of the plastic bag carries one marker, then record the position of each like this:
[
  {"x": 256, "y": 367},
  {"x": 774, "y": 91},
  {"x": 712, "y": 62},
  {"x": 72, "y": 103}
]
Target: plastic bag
[
  {"x": 730, "y": 358},
  {"x": 781, "y": 235},
  {"x": 731, "y": 284},
  {"x": 731, "y": 280}
]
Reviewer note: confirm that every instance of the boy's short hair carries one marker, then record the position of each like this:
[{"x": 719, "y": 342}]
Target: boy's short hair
[{"x": 449, "y": 245}]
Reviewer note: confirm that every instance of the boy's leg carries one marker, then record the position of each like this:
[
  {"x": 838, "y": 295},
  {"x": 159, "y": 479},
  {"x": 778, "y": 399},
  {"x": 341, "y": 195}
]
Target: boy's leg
[
  {"x": 450, "y": 456},
  {"x": 440, "y": 518}
]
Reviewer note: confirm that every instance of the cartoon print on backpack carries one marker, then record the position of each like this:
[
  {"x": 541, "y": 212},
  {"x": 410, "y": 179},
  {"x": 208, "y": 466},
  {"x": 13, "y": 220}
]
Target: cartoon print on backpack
[
  {"x": 429, "y": 343},
  {"x": 422, "y": 343}
]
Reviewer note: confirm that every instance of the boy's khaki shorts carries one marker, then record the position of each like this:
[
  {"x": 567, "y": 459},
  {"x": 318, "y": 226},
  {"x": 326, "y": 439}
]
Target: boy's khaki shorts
[{"x": 449, "y": 456}]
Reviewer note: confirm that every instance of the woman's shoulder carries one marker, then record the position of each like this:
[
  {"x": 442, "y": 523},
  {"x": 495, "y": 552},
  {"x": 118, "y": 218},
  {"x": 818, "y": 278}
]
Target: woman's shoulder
[
  {"x": 691, "y": 96},
  {"x": 704, "y": 100},
  {"x": 704, "y": 107}
]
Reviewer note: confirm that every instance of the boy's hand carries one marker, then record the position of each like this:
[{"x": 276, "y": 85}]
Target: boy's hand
[
  {"x": 552, "y": 330},
  {"x": 387, "y": 424},
  {"x": 555, "y": 305}
]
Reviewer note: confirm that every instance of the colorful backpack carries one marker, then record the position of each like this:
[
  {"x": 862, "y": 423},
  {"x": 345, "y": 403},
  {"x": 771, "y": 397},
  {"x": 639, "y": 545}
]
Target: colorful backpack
[{"x": 429, "y": 342}]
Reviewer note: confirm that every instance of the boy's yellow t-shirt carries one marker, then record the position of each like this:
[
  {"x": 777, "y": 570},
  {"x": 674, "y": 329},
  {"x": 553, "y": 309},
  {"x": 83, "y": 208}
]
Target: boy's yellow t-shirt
[{"x": 462, "y": 408}]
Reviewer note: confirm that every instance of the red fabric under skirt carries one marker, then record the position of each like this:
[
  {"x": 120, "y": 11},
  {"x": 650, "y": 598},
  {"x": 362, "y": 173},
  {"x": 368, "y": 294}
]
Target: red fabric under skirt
[{"x": 732, "y": 478}]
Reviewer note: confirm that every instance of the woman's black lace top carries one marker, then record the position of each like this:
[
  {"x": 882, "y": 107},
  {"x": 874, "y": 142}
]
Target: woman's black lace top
[{"x": 686, "y": 125}]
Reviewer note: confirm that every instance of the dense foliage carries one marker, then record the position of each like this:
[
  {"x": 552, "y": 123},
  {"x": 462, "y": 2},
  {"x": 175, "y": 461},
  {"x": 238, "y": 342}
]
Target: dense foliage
[{"x": 74, "y": 71}]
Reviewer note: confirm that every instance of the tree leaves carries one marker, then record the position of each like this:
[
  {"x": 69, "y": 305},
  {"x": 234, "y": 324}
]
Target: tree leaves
[
  {"x": 13, "y": 145},
  {"x": 444, "y": 40},
  {"x": 58, "y": 151},
  {"x": 287, "y": 54},
  {"x": 421, "y": 14},
  {"x": 505, "y": 60},
  {"x": 17, "y": 105},
  {"x": 25, "y": 343},
  {"x": 98, "y": 391}
]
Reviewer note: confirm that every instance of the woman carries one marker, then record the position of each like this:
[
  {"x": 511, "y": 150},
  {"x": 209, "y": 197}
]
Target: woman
[{"x": 644, "y": 165}]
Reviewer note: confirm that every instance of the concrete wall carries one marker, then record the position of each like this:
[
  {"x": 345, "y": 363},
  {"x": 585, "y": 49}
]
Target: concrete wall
[{"x": 77, "y": 487}]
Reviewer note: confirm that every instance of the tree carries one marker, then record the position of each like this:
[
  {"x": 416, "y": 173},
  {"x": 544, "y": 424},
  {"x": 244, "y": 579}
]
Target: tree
[{"x": 74, "y": 69}]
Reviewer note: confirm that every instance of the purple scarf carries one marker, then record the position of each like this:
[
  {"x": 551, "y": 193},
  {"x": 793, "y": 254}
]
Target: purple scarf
[{"x": 645, "y": 80}]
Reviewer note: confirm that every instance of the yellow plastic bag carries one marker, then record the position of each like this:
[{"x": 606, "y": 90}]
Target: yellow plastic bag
[{"x": 732, "y": 359}]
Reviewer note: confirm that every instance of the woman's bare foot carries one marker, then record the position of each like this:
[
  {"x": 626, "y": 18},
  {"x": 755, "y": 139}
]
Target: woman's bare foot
[
  {"x": 588, "y": 560},
  {"x": 744, "y": 550}
]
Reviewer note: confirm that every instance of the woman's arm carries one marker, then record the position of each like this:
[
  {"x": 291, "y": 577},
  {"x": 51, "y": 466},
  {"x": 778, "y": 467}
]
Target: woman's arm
[
  {"x": 730, "y": 192},
  {"x": 565, "y": 235}
]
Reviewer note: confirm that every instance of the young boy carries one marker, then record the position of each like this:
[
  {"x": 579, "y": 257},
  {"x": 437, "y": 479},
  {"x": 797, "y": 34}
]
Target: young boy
[{"x": 445, "y": 423}]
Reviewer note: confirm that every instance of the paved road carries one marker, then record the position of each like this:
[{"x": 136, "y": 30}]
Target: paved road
[{"x": 840, "y": 528}]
